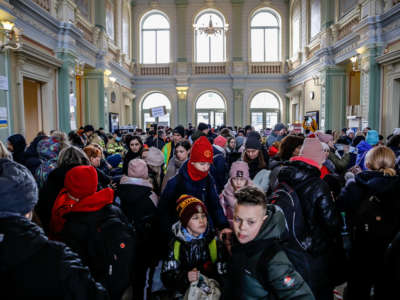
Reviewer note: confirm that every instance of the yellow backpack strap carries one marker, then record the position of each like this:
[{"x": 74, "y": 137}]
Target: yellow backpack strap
[
  {"x": 177, "y": 248},
  {"x": 213, "y": 250}
]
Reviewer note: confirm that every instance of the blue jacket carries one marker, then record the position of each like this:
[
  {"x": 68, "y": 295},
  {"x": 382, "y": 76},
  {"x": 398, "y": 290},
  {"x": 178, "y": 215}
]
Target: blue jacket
[
  {"x": 180, "y": 184},
  {"x": 363, "y": 147}
]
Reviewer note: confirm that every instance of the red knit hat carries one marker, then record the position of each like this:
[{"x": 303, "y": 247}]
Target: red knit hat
[
  {"x": 202, "y": 151},
  {"x": 187, "y": 206},
  {"x": 220, "y": 141},
  {"x": 81, "y": 181}
]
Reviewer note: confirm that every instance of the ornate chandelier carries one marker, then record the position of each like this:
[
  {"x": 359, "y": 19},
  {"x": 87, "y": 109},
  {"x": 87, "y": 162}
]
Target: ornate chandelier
[{"x": 210, "y": 29}]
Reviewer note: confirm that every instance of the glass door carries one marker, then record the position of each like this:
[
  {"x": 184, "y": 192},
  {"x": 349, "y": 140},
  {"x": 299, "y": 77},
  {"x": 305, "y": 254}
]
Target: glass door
[{"x": 257, "y": 120}]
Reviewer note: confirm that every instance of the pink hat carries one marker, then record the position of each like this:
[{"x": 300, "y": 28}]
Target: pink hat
[
  {"x": 324, "y": 138},
  {"x": 220, "y": 141},
  {"x": 312, "y": 149},
  {"x": 239, "y": 169},
  {"x": 137, "y": 168}
]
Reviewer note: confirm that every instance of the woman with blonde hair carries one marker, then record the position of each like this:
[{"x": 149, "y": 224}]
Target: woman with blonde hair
[{"x": 372, "y": 208}]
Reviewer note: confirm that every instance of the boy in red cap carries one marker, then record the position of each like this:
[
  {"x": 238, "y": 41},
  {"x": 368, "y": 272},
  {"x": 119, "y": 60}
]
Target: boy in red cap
[
  {"x": 193, "y": 179},
  {"x": 194, "y": 250}
]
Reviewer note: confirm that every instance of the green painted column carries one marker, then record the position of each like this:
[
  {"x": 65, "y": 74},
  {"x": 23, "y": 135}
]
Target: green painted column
[
  {"x": 181, "y": 26},
  {"x": 238, "y": 107},
  {"x": 371, "y": 87},
  {"x": 236, "y": 30},
  {"x": 333, "y": 98},
  {"x": 64, "y": 79},
  {"x": 100, "y": 14},
  {"x": 95, "y": 100},
  {"x": 327, "y": 14}
]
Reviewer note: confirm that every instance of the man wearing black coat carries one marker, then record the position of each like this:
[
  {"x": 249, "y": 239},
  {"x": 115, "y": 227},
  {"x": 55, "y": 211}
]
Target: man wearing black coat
[{"x": 31, "y": 266}]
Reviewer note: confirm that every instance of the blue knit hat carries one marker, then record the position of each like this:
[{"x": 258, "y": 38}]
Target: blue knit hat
[
  {"x": 372, "y": 137},
  {"x": 18, "y": 189}
]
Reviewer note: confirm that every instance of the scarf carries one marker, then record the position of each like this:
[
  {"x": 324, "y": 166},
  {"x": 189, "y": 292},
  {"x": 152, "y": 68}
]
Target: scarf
[
  {"x": 188, "y": 237},
  {"x": 195, "y": 174},
  {"x": 64, "y": 204}
]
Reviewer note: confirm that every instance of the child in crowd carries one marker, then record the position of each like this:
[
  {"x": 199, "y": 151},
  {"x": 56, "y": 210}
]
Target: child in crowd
[
  {"x": 194, "y": 250},
  {"x": 239, "y": 178}
]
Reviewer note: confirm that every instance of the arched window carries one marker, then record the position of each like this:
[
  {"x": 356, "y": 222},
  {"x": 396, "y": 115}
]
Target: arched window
[
  {"x": 155, "y": 38},
  {"x": 110, "y": 19},
  {"x": 210, "y": 46},
  {"x": 315, "y": 16},
  {"x": 210, "y": 109},
  {"x": 156, "y": 100},
  {"x": 265, "y": 36},
  {"x": 126, "y": 36},
  {"x": 296, "y": 13},
  {"x": 264, "y": 110}
]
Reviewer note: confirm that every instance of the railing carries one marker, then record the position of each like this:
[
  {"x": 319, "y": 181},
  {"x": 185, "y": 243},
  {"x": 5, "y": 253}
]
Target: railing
[
  {"x": 200, "y": 69},
  {"x": 266, "y": 68},
  {"x": 154, "y": 70},
  {"x": 45, "y": 4},
  {"x": 346, "y": 29},
  {"x": 87, "y": 33}
]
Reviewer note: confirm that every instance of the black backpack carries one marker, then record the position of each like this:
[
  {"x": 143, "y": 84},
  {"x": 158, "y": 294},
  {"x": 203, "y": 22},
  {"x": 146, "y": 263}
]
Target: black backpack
[
  {"x": 110, "y": 254},
  {"x": 287, "y": 199},
  {"x": 372, "y": 219}
]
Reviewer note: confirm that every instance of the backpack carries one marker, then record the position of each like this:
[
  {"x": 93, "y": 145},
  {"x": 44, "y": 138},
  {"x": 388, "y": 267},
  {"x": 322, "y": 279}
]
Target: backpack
[
  {"x": 287, "y": 199},
  {"x": 373, "y": 220},
  {"x": 110, "y": 250},
  {"x": 212, "y": 247}
]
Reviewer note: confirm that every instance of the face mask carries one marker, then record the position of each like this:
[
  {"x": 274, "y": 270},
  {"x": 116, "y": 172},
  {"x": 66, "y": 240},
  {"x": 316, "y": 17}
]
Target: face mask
[{"x": 118, "y": 139}]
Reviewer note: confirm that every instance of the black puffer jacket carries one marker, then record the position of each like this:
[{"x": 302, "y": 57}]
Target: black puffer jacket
[
  {"x": 193, "y": 254},
  {"x": 32, "y": 267},
  {"x": 77, "y": 233},
  {"x": 317, "y": 203}
]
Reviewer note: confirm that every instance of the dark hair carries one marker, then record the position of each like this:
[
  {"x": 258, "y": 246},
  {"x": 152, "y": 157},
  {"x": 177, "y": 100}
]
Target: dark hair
[
  {"x": 288, "y": 145},
  {"x": 226, "y": 133},
  {"x": 185, "y": 144},
  {"x": 251, "y": 195},
  {"x": 357, "y": 140},
  {"x": 394, "y": 141},
  {"x": 261, "y": 160},
  {"x": 129, "y": 139}
]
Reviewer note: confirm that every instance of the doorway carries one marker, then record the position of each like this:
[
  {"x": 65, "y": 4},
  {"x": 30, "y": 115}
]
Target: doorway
[{"x": 32, "y": 109}]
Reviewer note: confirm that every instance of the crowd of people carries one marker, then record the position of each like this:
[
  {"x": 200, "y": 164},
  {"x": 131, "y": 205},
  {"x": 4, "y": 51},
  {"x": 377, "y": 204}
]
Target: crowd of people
[{"x": 200, "y": 213}]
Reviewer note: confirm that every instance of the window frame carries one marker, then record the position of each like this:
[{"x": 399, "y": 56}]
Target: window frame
[
  {"x": 264, "y": 28},
  {"x": 148, "y": 110},
  {"x": 196, "y": 33},
  {"x": 144, "y": 18}
]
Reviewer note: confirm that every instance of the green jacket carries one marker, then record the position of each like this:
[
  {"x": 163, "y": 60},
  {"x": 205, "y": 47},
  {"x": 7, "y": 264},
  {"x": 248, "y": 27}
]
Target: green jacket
[
  {"x": 275, "y": 278},
  {"x": 340, "y": 163}
]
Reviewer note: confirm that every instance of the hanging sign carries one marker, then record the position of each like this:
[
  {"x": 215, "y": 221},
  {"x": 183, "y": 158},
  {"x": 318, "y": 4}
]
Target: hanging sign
[
  {"x": 4, "y": 83},
  {"x": 3, "y": 117}
]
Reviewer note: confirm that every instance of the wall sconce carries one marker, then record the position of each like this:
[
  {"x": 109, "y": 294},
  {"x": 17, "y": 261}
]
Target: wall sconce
[
  {"x": 107, "y": 72},
  {"x": 11, "y": 36},
  {"x": 112, "y": 79},
  {"x": 355, "y": 63},
  {"x": 182, "y": 92},
  {"x": 317, "y": 81}
]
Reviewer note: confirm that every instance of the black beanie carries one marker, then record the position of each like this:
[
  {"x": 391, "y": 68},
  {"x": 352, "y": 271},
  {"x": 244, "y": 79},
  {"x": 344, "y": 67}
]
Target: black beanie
[
  {"x": 253, "y": 143},
  {"x": 180, "y": 130},
  {"x": 18, "y": 188},
  {"x": 202, "y": 126}
]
